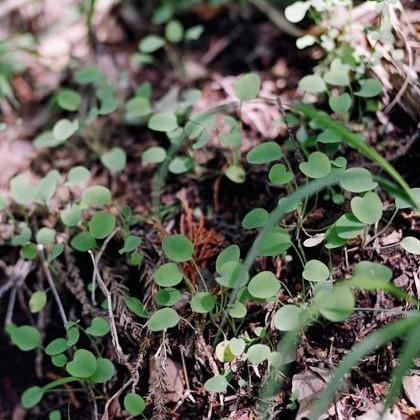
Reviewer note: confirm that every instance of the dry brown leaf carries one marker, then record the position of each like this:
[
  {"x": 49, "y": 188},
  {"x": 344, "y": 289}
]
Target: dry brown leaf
[{"x": 411, "y": 386}]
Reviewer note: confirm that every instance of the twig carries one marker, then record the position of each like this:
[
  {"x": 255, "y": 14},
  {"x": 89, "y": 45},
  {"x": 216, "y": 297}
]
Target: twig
[
  {"x": 277, "y": 18},
  {"x": 105, "y": 291},
  {"x": 117, "y": 394},
  {"x": 51, "y": 283}
]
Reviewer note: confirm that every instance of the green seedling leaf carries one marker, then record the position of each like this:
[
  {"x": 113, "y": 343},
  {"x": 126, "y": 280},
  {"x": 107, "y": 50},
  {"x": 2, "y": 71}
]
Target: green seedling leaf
[
  {"x": 22, "y": 238},
  {"x": 46, "y": 188},
  {"x": 203, "y": 303},
  {"x": 25, "y": 337},
  {"x": 411, "y": 245},
  {"x": 45, "y": 236},
  {"x": 59, "y": 360},
  {"x": 138, "y": 107},
  {"x": 98, "y": 327},
  {"x": 223, "y": 352},
  {"x": 255, "y": 218},
  {"x": 46, "y": 139},
  {"x": 163, "y": 121},
  {"x": 101, "y": 224},
  {"x": 174, "y": 31},
  {"x": 368, "y": 209},
  {"x": 340, "y": 103},
  {"x": 275, "y": 243},
  {"x": 317, "y": 166},
  {"x": 97, "y": 196},
  {"x": 228, "y": 274},
  {"x": 135, "y": 306},
  {"x": 178, "y": 248},
  {"x": 168, "y": 275},
  {"x": 167, "y": 296},
  {"x": 115, "y": 160},
  {"x": 338, "y": 74},
  {"x": 64, "y": 128},
  {"x": 73, "y": 335},
  {"x": 264, "y": 285},
  {"x": 258, "y": 353},
  {"x": 339, "y": 162},
  {"x": 369, "y": 88},
  {"x": 264, "y": 153},
  {"x": 238, "y": 311},
  {"x": 336, "y": 304},
  {"x": 29, "y": 251},
  {"x": 232, "y": 139},
  {"x": 71, "y": 215},
  {"x": 217, "y": 383},
  {"x": 236, "y": 174},
  {"x": 21, "y": 190},
  {"x": 180, "y": 165},
  {"x": 83, "y": 241},
  {"x": 315, "y": 271},
  {"x": 279, "y": 175},
  {"x": 248, "y": 87},
  {"x": 229, "y": 254},
  {"x": 357, "y": 180},
  {"x": 134, "y": 404},
  {"x": 296, "y": 11},
  {"x": 105, "y": 370},
  {"x": 312, "y": 84},
  {"x": 237, "y": 346},
  {"x": 348, "y": 227},
  {"x": 328, "y": 137},
  {"x": 287, "y": 318},
  {"x": 68, "y": 99},
  {"x": 151, "y": 43},
  {"x": 3, "y": 202},
  {"x": 194, "y": 33},
  {"x": 78, "y": 175},
  {"x": 37, "y": 301},
  {"x": 57, "y": 346},
  {"x": 83, "y": 364},
  {"x": 32, "y": 396},
  {"x": 163, "y": 319},
  {"x": 88, "y": 74},
  {"x": 154, "y": 155},
  {"x": 54, "y": 415},
  {"x": 370, "y": 275},
  {"x": 131, "y": 243}
]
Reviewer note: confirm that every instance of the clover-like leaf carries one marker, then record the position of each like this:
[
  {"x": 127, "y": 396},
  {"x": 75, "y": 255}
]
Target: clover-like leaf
[
  {"x": 68, "y": 99},
  {"x": 411, "y": 245},
  {"x": 248, "y": 87},
  {"x": 203, "y": 302},
  {"x": 134, "y": 404},
  {"x": 163, "y": 121},
  {"x": 348, "y": 227},
  {"x": 154, "y": 155},
  {"x": 264, "y": 285},
  {"x": 151, "y": 43},
  {"x": 101, "y": 224},
  {"x": 371, "y": 275},
  {"x": 258, "y": 353},
  {"x": 368, "y": 209},
  {"x": 336, "y": 304},
  {"x": 279, "y": 175},
  {"x": 163, "y": 319},
  {"x": 32, "y": 396},
  {"x": 25, "y": 337},
  {"x": 83, "y": 241},
  {"x": 264, "y": 153},
  {"x": 97, "y": 196},
  {"x": 167, "y": 296},
  {"x": 287, "y": 318},
  {"x": 340, "y": 103},
  {"x": 315, "y": 271},
  {"x": 217, "y": 383},
  {"x": 21, "y": 190},
  {"x": 77, "y": 175},
  {"x": 45, "y": 236},
  {"x": 115, "y": 160},
  {"x": 83, "y": 364},
  {"x": 64, "y": 128},
  {"x": 71, "y": 215},
  {"x": 369, "y": 88},
  {"x": 255, "y": 218},
  {"x": 135, "y": 306},
  {"x": 131, "y": 243},
  {"x": 138, "y": 106},
  {"x": 229, "y": 254},
  {"x": 98, "y": 327},
  {"x": 178, "y": 248},
  {"x": 236, "y": 174},
  {"x": 168, "y": 275},
  {"x": 317, "y": 166},
  {"x": 105, "y": 370},
  {"x": 312, "y": 84},
  {"x": 357, "y": 180},
  {"x": 57, "y": 346}
]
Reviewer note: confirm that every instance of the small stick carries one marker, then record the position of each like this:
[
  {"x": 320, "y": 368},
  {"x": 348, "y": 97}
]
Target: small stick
[
  {"x": 105, "y": 291},
  {"x": 51, "y": 283}
]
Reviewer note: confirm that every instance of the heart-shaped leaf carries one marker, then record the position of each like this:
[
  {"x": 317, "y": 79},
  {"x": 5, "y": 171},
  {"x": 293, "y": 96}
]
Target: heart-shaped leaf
[
  {"x": 154, "y": 155},
  {"x": 411, "y": 245},
  {"x": 264, "y": 285},
  {"x": 229, "y": 254},
  {"x": 255, "y": 218},
  {"x": 357, "y": 180},
  {"x": 348, "y": 227},
  {"x": 178, "y": 248},
  {"x": 134, "y": 404},
  {"x": 168, "y": 275},
  {"x": 369, "y": 88},
  {"x": 312, "y": 84},
  {"x": 97, "y": 196},
  {"x": 163, "y": 121},
  {"x": 370, "y": 275},
  {"x": 68, "y": 99},
  {"x": 340, "y": 103},
  {"x": 317, "y": 166},
  {"x": 264, "y": 153},
  {"x": 217, "y": 383},
  {"x": 315, "y": 271},
  {"x": 287, "y": 318},
  {"x": 104, "y": 371},
  {"x": 258, "y": 353},
  {"x": 247, "y": 87},
  {"x": 163, "y": 319},
  {"x": 101, "y": 224},
  {"x": 64, "y": 128},
  {"x": 115, "y": 160},
  {"x": 83, "y": 364},
  {"x": 368, "y": 209},
  {"x": 83, "y": 241},
  {"x": 98, "y": 327},
  {"x": 279, "y": 175},
  {"x": 77, "y": 175},
  {"x": 167, "y": 296},
  {"x": 203, "y": 302},
  {"x": 25, "y": 337},
  {"x": 336, "y": 304},
  {"x": 57, "y": 346}
]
